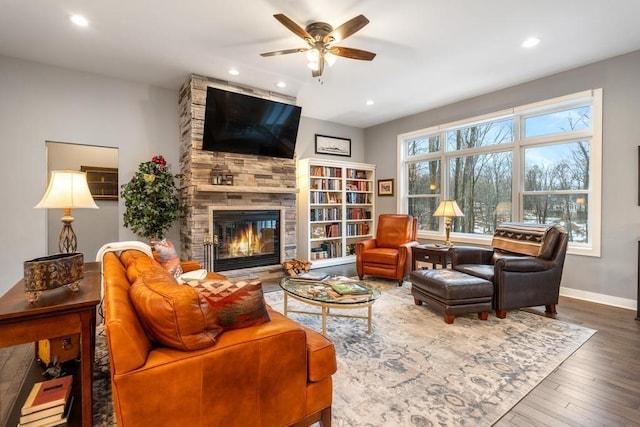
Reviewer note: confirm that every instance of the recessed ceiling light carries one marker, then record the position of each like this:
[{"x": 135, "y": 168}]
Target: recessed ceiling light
[
  {"x": 233, "y": 71},
  {"x": 530, "y": 42},
  {"x": 281, "y": 84},
  {"x": 370, "y": 102},
  {"x": 79, "y": 20}
]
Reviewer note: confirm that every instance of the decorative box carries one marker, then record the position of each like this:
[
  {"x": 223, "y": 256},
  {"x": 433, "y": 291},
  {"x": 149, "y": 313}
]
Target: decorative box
[{"x": 51, "y": 272}]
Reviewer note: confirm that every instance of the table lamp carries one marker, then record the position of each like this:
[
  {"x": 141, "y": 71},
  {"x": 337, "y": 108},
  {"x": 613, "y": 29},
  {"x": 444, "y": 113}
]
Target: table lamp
[
  {"x": 67, "y": 190},
  {"x": 448, "y": 209}
]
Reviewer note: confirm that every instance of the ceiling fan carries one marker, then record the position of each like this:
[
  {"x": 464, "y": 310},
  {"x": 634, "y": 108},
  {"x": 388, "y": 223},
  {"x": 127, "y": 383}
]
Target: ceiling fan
[{"x": 321, "y": 37}]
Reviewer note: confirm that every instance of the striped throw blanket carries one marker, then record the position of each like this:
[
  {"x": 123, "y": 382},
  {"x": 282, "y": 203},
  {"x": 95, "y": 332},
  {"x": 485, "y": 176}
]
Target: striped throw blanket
[{"x": 521, "y": 238}]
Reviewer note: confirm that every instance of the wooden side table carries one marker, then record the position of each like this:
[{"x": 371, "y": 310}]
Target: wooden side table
[
  {"x": 429, "y": 253},
  {"x": 57, "y": 312}
]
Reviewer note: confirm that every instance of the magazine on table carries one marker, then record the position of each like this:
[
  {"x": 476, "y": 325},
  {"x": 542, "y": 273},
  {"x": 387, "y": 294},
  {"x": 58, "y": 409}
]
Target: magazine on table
[
  {"x": 311, "y": 276},
  {"x": 346, "y": 286}
]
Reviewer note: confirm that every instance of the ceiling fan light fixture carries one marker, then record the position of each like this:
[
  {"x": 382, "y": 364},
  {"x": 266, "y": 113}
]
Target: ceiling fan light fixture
[
  {"x": 330, "y": 58},
  {"x": 320, "y": 37},
  {"x": 313, "y": 55}
]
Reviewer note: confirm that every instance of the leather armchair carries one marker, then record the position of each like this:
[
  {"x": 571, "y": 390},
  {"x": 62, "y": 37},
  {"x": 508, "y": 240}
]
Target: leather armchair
[
  {"x": 519, "y": 280},
  {"x": 389, "y": 254}
]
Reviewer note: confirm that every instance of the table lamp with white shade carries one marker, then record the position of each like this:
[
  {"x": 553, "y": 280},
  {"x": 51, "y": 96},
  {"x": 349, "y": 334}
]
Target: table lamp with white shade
[
  {"x": 68, "y": 190},
  {"x": 448, "y": 209}
]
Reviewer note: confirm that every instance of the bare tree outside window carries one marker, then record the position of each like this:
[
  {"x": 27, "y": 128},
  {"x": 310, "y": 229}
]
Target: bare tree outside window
[{"x": 473, "y": 164}]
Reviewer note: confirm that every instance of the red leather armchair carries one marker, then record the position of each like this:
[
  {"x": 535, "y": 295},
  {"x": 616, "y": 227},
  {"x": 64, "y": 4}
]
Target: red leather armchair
[{"x": 389, "y": 254}]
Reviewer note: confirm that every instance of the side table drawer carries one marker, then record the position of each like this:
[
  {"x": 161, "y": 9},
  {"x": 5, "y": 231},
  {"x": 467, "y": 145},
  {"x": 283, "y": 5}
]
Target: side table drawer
[{"x": 428, "y": 257}]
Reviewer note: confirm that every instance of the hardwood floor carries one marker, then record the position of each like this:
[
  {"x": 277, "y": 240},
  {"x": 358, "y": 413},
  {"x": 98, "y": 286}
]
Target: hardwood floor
[{"x": 599, "y": 385}]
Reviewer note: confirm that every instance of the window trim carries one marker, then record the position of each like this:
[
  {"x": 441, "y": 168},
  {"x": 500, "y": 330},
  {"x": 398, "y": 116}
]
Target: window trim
[{"x": 519, "y": 113}]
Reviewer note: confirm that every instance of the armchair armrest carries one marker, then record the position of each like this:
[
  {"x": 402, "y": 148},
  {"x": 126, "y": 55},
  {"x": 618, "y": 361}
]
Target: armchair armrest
[
  {"x": 364, "y": 245},
  {"x": 470, "y": 255},
  {"x": 524, "y": 264},
  {"x": 408, "y": 245}
]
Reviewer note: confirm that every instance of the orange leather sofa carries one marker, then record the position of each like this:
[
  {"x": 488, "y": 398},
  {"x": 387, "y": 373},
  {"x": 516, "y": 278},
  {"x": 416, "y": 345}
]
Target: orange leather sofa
[
  {"x": 389, "y": 254},
  {"x": 277, "y": 373}
]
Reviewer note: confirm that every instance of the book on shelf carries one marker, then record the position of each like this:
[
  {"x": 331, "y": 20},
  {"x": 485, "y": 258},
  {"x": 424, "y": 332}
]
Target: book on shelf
[
  {"x": 46, "y": 419},
  {"x": 47, "y": 394}
]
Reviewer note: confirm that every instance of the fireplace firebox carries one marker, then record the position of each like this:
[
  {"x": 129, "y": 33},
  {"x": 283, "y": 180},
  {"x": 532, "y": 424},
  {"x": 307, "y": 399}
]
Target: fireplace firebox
[{"x": 244, "y": 239}]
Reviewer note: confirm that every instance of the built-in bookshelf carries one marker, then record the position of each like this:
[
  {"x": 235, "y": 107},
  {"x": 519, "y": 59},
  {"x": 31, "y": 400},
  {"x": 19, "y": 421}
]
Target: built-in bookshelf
[{"x": 335, "y": 209}]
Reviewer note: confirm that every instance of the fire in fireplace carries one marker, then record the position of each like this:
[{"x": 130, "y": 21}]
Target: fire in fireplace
[{"x": 245, "y": 238}]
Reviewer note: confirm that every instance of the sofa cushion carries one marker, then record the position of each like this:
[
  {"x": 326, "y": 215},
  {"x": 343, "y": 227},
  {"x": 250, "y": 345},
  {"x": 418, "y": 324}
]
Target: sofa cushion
[
  {"x": 483, "y": 271},
  {"x": 522, "y": 238},
  {"x": 172, "y": 315},
  {"x": 234, "y": 305},
  {"x": 384, "y": 256}
]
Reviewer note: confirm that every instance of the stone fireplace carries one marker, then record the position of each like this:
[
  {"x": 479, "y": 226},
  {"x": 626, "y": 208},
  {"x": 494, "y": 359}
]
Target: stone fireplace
[
  {"x": 259, "y": 183},
  {"x": 244, "y": 238}
]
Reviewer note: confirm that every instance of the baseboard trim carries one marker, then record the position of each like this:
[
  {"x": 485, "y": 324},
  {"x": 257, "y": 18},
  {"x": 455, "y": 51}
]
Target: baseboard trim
[{"x": 626, "y": 303}]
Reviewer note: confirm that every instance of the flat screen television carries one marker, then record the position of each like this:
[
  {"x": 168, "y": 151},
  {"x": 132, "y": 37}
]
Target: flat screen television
[{"x": 238, "y": 123}]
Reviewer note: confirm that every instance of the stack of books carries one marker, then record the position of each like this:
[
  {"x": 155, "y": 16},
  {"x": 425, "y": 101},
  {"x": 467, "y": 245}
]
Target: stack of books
[{"x": 48, "y": 403}]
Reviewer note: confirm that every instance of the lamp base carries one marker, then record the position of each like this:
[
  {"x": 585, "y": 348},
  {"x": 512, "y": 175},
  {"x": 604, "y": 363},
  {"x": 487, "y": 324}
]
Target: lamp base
[
  {"x": 67, "y": 240},
  {"x": 447, "y": 229}
]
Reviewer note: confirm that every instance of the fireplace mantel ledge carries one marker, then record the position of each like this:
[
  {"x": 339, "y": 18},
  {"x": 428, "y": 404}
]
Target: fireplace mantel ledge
[{"x": 209, "y": 188}]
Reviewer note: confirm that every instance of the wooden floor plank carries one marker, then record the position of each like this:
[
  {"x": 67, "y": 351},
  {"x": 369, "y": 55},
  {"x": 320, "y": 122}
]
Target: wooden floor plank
[{"x": 600, "y": 383}]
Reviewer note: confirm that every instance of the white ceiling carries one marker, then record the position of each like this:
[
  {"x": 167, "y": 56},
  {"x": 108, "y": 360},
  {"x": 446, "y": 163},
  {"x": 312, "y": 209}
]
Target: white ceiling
[{"x": 429, "y": 52}]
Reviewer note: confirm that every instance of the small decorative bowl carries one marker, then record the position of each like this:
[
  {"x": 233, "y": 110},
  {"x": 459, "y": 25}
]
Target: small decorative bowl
[{"x": 51, "y": 272}]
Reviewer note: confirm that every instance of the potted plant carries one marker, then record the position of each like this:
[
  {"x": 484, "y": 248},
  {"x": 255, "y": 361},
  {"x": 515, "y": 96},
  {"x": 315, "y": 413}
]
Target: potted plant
[{"x": 151, "y": 200}]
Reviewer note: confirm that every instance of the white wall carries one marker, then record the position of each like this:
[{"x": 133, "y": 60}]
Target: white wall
[
  {"x": 93, "y": 227},
  {"x": 305, "y": 145},
  {"x": 611, "y": 278},
  {"x": 40, "y": 103}
]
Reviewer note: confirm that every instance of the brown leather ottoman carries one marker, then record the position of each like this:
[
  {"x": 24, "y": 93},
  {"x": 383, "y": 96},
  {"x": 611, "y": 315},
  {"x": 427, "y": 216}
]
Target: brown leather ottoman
[{"x": 452, "y": 292}]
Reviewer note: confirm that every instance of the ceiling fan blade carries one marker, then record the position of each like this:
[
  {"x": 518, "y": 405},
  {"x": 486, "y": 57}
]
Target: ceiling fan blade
[
  {"x": 318, "y": 72},
  {"x": 348, "y": 52},
  {"x": 293, "y": 27},
  {"x": 346, "y": 29},
  {"x": 284, "y": 52}
]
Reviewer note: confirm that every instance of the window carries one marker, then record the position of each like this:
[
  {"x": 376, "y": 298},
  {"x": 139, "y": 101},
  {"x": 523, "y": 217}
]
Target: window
[{"x": 533, "y": 163}]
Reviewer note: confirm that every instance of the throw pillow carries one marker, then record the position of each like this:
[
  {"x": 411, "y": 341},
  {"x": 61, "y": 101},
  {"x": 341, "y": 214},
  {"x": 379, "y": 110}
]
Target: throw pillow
[
  {"x": 166, "y": 255},
  {"x": 173, "y": 315},
  {"x": 235, "y": 305}
]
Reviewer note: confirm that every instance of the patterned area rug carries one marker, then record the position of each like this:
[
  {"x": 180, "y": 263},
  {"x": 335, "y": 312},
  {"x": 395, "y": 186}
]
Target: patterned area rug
[{"x": 415, "y": 370}]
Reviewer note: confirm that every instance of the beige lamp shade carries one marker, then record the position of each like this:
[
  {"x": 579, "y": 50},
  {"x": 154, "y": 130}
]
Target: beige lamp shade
[
  {"x": 67, "y": 189},
  {"x": 448, "y": 208}
]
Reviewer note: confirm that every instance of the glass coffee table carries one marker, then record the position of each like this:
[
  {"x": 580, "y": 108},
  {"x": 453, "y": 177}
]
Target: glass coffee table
[{"x": 323, "y": 295}]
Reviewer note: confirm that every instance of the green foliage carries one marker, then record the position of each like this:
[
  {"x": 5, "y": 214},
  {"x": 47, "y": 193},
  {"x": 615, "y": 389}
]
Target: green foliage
[{"x": 151, "y": 199}]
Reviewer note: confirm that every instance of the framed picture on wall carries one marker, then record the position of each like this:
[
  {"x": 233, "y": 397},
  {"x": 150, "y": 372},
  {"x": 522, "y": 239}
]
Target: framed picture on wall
[
  {"x": 385, "y": 187},
  {"x": 333, "y": 145},
  {"x": 103, "y": 182}
]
